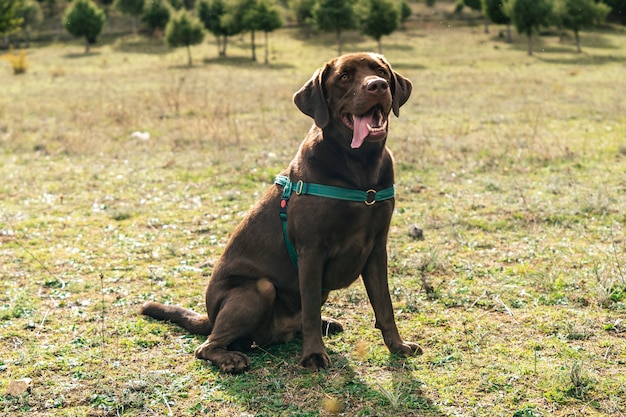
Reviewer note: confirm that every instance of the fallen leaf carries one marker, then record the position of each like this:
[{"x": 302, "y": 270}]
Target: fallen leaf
[{"x": 18, "y": 386}]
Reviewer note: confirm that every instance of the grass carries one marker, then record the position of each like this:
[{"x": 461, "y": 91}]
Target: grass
[{"x": 514, "y": 167}]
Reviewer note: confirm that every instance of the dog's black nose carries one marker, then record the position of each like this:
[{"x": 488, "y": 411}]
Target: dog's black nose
[{"x": 377, "y": 86}]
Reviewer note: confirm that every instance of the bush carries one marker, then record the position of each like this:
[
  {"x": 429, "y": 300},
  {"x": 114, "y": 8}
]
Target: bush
[{"x": 18, "y": 62}]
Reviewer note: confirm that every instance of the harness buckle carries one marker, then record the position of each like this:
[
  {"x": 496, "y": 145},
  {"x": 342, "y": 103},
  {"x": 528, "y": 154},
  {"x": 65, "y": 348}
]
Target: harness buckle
[
  {"x": 370, "y": 200},
  {"x": 299, "y": 187}
]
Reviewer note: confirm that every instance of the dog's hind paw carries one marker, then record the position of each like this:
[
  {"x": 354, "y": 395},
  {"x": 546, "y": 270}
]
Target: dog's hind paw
[
  {"x": 330, "y": 326},
  {"x": 229, "y": 361},
  {"x": 234, "y": 363}
]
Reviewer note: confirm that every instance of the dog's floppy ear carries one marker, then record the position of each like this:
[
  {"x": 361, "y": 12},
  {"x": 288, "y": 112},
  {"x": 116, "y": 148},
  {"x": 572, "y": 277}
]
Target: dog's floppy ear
[
  {"x": 400, "y": 89},
  {"x": 310, "y": 98},
  {"x": 401, "y": 92}
]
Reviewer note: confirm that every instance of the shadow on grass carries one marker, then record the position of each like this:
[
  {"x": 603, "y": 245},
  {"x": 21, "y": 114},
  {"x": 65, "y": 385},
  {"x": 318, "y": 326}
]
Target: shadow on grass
[
  {"x": 549, "y": 48},
  {"x": 138, "y": 44},
  {"x": 400, "y": 66},
  {"x": 246, "y": 62},
  {"x": 582, "y": 59},
  {"x": 277, "y": 385},
  {"x": 79, "y": 55}
]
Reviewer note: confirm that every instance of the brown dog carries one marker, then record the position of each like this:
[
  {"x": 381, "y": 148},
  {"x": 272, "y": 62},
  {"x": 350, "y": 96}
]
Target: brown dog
[{"x": 257, "y": 295}]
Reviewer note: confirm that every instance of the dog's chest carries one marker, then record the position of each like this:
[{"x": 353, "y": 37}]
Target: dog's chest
[{"x": 352, "y": 242}]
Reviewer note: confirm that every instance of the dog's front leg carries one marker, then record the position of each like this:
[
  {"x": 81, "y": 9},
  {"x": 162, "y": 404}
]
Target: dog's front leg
[
  {"x": 314, "y": 354},
  {"x": 375, "y": 280}
]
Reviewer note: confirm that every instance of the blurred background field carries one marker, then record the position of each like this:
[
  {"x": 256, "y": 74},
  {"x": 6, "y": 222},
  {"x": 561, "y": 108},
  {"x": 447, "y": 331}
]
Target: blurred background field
[{"x": 124, "y": 171}]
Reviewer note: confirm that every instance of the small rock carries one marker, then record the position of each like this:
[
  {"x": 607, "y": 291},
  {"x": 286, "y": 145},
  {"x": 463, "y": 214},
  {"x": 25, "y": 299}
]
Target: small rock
[
  {"x": 18, "y": 386},
  {"x": 140, "y": 135},
  {"x": 416, "y": 233},
  {"x": 137, "y": 385}
]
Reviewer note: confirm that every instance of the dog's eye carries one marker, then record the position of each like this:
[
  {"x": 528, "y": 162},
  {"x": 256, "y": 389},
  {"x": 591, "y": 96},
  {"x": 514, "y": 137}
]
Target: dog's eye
[
  {"x": 382, "y": 72},
  {"x": 344, "y": 76}
]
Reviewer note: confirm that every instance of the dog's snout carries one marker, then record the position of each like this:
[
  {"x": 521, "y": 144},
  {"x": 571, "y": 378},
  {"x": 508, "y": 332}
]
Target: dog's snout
[{"x": 377, "y": 85}]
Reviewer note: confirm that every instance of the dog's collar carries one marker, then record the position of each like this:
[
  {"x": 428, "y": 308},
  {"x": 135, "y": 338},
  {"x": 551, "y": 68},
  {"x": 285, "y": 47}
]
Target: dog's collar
[{"x": 369, "y": 197}]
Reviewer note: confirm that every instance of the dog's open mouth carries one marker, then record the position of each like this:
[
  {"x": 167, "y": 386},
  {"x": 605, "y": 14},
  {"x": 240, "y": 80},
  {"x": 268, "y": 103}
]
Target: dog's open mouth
[{"x": 372, "y": 124}]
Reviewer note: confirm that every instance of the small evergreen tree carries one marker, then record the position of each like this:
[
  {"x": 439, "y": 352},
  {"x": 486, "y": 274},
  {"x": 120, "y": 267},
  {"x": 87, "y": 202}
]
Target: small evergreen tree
[
  {"x": 405, "y": 11},
  {"x": 494, "y": 11},
  {"x": 83, "y": 19},
  {"x": 210, "y": 13},
  {"x": 334, "y": 16},
  {"x": 576, "y": 15},
  {"x": 378, "y": 18},
  {"x": 156, "y": 14},
  {"x": 184, "y": 29},
  {"x": 244, "y": 14},
  {"x": 133, "y": 8},
  {"x": 302, "y": 9},
  {"x": 266, "y": 17},
  {"x": 528, "y": 16},
  {"x": 221, "y": 19}
]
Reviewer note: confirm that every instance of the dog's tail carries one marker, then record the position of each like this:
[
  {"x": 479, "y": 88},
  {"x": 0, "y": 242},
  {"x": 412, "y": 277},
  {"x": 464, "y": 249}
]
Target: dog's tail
[{"x": 189, "y": 320}]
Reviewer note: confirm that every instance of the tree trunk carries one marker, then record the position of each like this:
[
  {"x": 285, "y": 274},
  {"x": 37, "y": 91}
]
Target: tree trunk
[
  {"x": 578, "y": 48},
  {"x": 189, "y": 56},
  {"x": 86, "y": 46},
  {"x": 380, "y": 46},
  {"x": 267, "y": 47},
  {"x": 253, "y": 47},
  {"x": 530, "y": 45},
  {"x": 486, "y": 25},
  {"x": 224, "y": 44},
  {"x": 218, "y": 42},
  {"x": 508, "y": 33}
]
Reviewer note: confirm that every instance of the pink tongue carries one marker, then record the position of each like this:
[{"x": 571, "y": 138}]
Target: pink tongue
[{"x": 360, "y": 130}]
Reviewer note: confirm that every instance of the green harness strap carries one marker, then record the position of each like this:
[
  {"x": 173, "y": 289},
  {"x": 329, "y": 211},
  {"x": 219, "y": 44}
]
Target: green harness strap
[{"x": 369, "y": 198}]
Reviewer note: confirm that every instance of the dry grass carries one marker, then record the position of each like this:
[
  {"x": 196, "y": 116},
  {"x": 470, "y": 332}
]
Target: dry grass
[{"x": 513, "y": 167}]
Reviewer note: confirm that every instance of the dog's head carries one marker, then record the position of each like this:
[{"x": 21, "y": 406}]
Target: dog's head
[{"x": 355, "y": 94}]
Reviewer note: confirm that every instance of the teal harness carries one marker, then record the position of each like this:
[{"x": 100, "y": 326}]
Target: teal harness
[{"x": 369, "y": 198}]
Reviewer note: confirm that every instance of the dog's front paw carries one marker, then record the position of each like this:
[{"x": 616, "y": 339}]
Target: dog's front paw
[
  {"x": 407, "y": 349},
  {"x": 315, "y": 361}
]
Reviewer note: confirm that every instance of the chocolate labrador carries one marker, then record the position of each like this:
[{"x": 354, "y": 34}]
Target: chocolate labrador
[{"x": 322, "y": 224}]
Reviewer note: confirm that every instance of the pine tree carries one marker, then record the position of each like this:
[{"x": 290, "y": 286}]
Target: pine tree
[
  {"x": 494, "y": 10},
  {"x": 528, "y": 16},
  {"x": 84, "y": 19},
  {"x": 263, "y": 16},
  {"x": 133, "y": 8},
  {"x": 378, "y": 18},
  {"x": 334, "y": 16},
  {"x": 9, "y": 19},
  {"x": 184, "y": 29},
  {"x": 156, "y": 14},
  {"x": 576, "y": 15}
]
